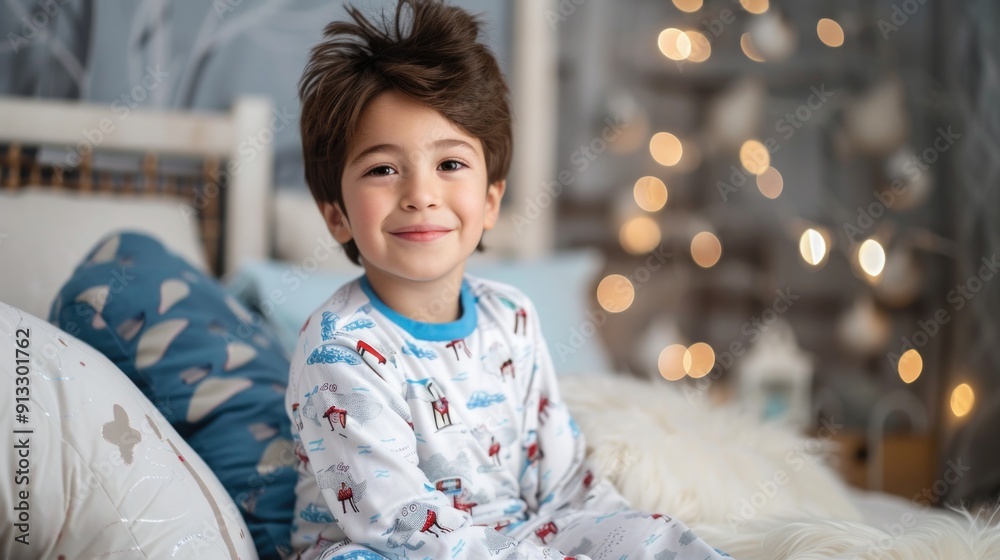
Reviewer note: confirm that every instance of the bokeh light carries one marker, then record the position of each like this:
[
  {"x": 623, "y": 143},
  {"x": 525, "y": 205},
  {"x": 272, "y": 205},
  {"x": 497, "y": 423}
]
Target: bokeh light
[
  {"x": 639, "y": 235},
  {"x": 671, "y": 362},
  {"x": 748, "y": 49},
  {"x": 699, "y": 359},
  {"x": 666, "y": 149},
  {"x": 674, "y": 44},
  {"x": 615, "y": 293},
  {"x": 962, "y": 400},
  {"x": 650, "y": 193},
  {"x": 754, "y": 157},
  {"x": 706, "y": 249},
  {"x": 770, "y": 183},
  {"x": 701, "y": 47},
  {"x": 830, "y": 32},
  {"x": 871, "y": 257},
  {"x": 812, "y": 246},
  {"x": 910, "y": 365},
  {"x": 755, "y": 6},
  {"x": 689, "y": 6}
]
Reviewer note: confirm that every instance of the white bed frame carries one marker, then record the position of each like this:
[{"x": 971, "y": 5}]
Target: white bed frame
[
  {"x": 247, "y": 227},
  {"x": 522, "y": 233}
]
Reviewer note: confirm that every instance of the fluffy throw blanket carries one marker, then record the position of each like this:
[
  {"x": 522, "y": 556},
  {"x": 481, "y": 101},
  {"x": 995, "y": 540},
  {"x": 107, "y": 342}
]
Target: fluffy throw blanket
[{"x": 757, "y": 491}]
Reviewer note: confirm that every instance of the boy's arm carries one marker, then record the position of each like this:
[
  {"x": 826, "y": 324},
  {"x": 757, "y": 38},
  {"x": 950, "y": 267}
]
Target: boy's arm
[
  {"x": 353, "y": 425},
  {"x": 562, "y": 478}
]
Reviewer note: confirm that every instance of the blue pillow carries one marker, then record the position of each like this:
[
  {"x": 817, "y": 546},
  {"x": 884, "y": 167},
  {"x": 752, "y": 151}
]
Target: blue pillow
[{"x": 208, "y": 365}]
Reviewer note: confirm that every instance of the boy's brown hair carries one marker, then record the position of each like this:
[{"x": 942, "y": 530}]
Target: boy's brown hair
[{"x": 429, "y": 53}]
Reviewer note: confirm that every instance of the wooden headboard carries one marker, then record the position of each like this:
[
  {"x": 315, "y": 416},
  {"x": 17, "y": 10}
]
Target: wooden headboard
[{"x": 220, "y": 163}]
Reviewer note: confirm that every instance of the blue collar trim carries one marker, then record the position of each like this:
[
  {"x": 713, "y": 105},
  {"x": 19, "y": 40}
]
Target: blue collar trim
[{"x": 437, "y": 332}]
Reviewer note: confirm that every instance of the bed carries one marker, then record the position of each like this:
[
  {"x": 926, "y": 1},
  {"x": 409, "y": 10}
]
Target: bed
[{"x": 189, "y": 182}]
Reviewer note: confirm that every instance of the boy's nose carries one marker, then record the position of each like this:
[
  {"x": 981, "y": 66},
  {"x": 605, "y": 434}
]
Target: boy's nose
[{"x": 419, "y": 192}]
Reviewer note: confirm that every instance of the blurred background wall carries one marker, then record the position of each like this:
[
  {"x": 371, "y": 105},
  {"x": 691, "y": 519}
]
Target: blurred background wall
[{"x": 823, "y": 177}]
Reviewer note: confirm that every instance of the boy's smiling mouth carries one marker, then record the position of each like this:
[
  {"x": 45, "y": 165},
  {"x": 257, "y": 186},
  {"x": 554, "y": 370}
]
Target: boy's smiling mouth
[{"x": 421, "y": 232}]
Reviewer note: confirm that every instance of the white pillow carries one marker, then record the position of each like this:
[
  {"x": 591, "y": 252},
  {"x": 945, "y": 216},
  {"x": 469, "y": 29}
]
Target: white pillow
[
  {"x": 45, "y": 234},
  {"x": 105, "y": 473}
]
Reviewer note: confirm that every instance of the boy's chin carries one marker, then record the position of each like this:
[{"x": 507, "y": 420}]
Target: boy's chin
[
  {"x": 419, "y": 267},
  {"x": 418, "y": 274}
]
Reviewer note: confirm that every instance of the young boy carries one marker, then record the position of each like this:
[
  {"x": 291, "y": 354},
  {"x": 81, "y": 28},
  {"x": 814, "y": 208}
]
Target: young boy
[{"x": 424, "y": 402}]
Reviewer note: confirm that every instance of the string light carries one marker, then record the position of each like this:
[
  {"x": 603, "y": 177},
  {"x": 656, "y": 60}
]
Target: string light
[
  {"x": 871, "y": 257},
  {"x": 671, "y": 362},
  {"x": 650, "y": 193},
  {"x": 830, "y": 32},
  {"x": 755, "y": 6},
  {"x": 699, "y": 359},
  {"x": 962, "y": 400},
  {"x": 706, "y": 249},
  {"x": 812, "y": 246},
  {"x": 910, "y": 365},
  {"x": 674, "y": 44},
  {"x": 754, "y": 157},
  {"x": 770, "y": 183},
  {"x": 701, "y": 47},
  {"x": 689, "y": 6},
  {"x": 615, "y": 293},
  {"x": 639, "y": 235},
  {"x": 666, "y": 149}
]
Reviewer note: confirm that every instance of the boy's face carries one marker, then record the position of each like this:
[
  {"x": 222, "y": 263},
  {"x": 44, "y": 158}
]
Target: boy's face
[{"x": 415, "y": 193}]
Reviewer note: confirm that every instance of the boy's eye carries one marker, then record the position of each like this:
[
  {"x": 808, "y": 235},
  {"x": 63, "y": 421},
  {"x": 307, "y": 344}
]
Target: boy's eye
[
  {"x": 381, "y": 171},
  {"x": 451, "y": 165}
]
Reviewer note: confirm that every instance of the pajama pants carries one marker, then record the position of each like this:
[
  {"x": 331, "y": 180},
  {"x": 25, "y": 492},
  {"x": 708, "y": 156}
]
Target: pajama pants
[
  {"x": 626, "y": 534},
  {"x": 623, "y": 535}
]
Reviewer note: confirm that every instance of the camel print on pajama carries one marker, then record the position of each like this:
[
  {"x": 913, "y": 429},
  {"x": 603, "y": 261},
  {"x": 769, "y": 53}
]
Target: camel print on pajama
[{"x": 449, "y": 441}]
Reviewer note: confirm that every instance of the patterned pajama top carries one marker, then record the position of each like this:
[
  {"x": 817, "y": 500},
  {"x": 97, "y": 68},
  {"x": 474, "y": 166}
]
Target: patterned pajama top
[{"x": 448, "y": 440}]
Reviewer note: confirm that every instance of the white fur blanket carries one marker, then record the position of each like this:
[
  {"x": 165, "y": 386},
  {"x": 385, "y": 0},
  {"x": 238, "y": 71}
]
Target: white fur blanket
[{"x": 756, "y": 491}]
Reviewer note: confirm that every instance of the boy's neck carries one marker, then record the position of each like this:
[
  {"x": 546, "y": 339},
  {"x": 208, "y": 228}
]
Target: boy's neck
[{"x": 436, "y": 301}]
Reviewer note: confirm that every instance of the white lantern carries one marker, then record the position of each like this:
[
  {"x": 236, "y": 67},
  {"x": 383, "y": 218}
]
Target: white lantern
[{"x": 775, "y": 377}]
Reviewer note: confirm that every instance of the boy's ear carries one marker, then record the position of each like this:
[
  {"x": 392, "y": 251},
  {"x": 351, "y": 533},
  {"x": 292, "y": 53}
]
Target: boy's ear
[
  {"x": 494, "y": 194},
  {"x": 336, "y": 221}
]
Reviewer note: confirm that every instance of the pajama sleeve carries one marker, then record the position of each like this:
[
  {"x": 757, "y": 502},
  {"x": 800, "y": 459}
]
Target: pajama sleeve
[
  {"x": 562, "y": 479},
  {"x": 363, "y": 451}
]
